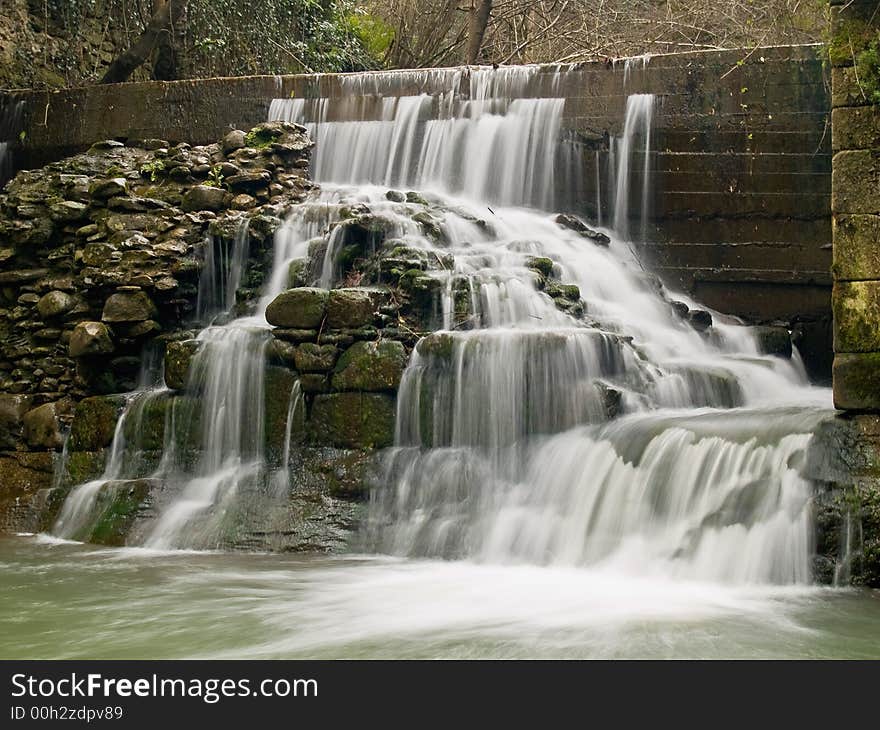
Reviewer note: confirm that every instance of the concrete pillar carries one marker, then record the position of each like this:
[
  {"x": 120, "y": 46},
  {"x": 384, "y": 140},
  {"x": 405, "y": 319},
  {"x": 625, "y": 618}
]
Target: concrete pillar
[{"x": 855, "y": 202}]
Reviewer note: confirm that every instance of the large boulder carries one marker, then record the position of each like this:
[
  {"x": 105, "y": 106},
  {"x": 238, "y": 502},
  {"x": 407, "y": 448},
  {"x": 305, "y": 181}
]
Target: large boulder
[
  {"x": 371, "y": 366},
  {"x": 302, "y": 308},
  {"x": 129, "y": 306},
  {"x": 353, "y": 420},
  {"x": 90, "y": 338}
]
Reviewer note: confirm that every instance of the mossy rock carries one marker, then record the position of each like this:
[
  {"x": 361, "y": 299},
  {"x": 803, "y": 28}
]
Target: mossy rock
[
  {"x": 84, "y": 466},
  {"x": 371, "y": 366},
  {"x": 541, "y": 264},
  {"x": 94, "y": 422},
  {"x": 278, "y": 388},
  {"x": 353, "y": 420},
  {"x": 354, "y": 307},
  {"x": 118, "y": 505},
  {"x": 178, "y": 359},
  {"x": 302, "y": 308},
  {"x": 312, "y": 358},
  {"x": 773, "y": 341}
]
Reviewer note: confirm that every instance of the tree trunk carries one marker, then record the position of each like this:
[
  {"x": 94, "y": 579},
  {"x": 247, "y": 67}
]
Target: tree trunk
[
  {"x": 479, "y": 20},
  {"x": 166, "y": 14}
]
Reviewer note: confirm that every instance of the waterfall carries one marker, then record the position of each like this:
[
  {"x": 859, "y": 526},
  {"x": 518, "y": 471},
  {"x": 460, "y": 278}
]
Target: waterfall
[
  {"x": 10, "y": 124},
  {"x": 566, "y": 415},
  {"x": 637, "y": 122},
  {"x": 490, "y": 146}
]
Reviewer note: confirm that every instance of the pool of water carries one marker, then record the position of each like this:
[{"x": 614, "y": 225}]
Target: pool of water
[{"x": 67, "y": 600}]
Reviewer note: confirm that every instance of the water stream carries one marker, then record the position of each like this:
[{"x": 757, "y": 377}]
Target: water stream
[{"x": 554, "y": 471}]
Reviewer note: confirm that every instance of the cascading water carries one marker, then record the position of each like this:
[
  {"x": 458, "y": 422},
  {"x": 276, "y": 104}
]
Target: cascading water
[
  {"x": 10, "y": 120},
  {"x": 505, "y": 452},
  {"x": 608, "y": 433}
]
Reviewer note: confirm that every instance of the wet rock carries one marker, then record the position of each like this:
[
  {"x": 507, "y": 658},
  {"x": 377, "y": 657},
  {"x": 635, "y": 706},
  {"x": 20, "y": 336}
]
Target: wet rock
[
  {"x": 67, "y": 211},
  {"x": 178, "y": 359},
  {"x": 773, "y": 340},
  {"x": 302, "y": 308},
  {"x": 295, "y": 335},
  {"x": 700, "y": 319},
  {"x": 54, "y": 304},
  {"x": 243, "y": 202},
  {"x": 204, "y": 197},
  {"x": 42, "y": 426},
  {"x": 541, "y": 264},
  {"x": 298, "y": 273},
  {"x": 117, "y": 507},
  {"x": 94, "y": 422},
  {"x": 90, "y": 338},
  {"x": 310, "y": 357},
  {"x": 100, "y": 254},
  {"x": 279, "y": 388},
  {"x": 680, "y": 309},
  {"x": 12, "y": 410},
  {"x": 248, "y": 181},
  {"x": 354, "y": 307},
  {"x": 575, "y": 224},
  {"x": 103, "y": 189},
  {"x": 314, "y": 382},
  {"x": 353, "y": 420},
  {"x": 371, "y": 366},
  {"x": 129, "y": 306},
  {"x": 395, "y": 196}
]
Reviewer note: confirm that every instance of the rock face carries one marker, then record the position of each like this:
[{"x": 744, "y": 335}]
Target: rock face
[{"x": 178, "y": 358}]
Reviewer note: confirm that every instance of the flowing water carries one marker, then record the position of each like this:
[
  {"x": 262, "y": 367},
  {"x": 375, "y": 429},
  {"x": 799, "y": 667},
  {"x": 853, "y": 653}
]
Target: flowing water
[{"x": 594, "y": 480}]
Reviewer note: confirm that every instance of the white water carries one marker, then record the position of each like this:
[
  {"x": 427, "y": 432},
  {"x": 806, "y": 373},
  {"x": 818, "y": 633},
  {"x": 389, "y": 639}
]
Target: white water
[{"x": 505, "y": 453}]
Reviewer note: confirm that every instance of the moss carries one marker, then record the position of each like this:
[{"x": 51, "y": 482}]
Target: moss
[
  {"x": 541, "y": 264},
  {"x": 353, "y": 420},
  {"x": 94, "y": 422},
  {"x": 119, "y": 504},
  {"x": 370, "y": 366},
  {"x": 83, "y": 466}
]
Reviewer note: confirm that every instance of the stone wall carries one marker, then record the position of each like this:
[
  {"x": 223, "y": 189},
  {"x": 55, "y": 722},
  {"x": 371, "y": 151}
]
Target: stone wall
[
  {"x": 855, "y": 203},
  {"x": 852, "y": 441},
  {"x": 100, "y": 265},
  {"x": 740, "y": 215}
]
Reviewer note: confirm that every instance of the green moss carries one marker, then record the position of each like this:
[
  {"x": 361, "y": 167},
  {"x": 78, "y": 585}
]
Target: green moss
[
  {"x": 353, "y": 420},
  {"x": 119, "y": 504},
  {"x": 94, "y": 422},
  {"x": 370, "y": 366}
]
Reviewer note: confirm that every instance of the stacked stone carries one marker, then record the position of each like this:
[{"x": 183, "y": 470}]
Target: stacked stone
[
  {"x": 345, "y": 349},
  {"x": 100, "y": 254},
  {"x": 855, "y": 204},
  {"x": 853, "y": 442}
]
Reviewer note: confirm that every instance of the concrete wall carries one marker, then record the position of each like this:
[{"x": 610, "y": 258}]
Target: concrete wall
[
  {"x": 855, "y": 202},
  {"x": 740, "y": 215}
]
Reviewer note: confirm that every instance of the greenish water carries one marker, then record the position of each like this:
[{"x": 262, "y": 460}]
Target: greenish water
[{"x": 65, "y": 600}]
